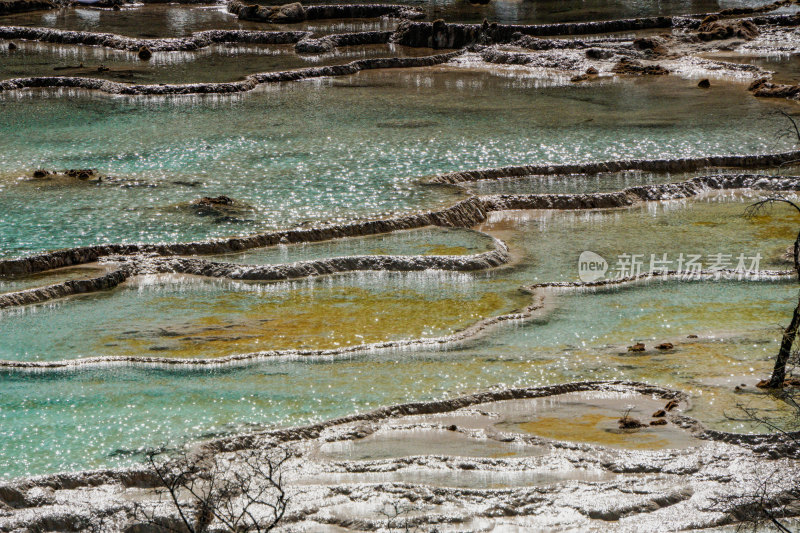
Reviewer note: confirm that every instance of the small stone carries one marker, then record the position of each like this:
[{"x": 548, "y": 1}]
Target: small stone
[
  {"x": 660, "y": 414},
  {"x": 672, "y": 404},
  {"x": 452, "y": 427},
  {"x": 665, "y": 346},
  {"x": 12, "y": 46},
  {"x": 704, "y": 84},
  {"x": 627, "y": 422},
  {"x": 659, "y": 422},
  {"x": 691, "y": 336},
  {"x": 144, "y": 53},
  {"x": 791, "y": 382},
  {"x": 763, "y": 384},
  {"x": 591, "y": 71},
  {"x": 39, "y": 173},
  {"x": 638, "y": 347}
]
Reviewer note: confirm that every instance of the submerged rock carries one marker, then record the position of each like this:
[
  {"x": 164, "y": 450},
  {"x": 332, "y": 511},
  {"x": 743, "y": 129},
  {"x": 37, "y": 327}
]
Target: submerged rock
[
  {"x": 713, "y": 29},
  {"x": 223, "y": 207},
  {"x": 636, "y": 68},
  {"x": 627, "y": 422},
  {"x": 8, "y": 7},
  {"x": 704, "y": 84},
  {"x": 590, "y": 73},
  {"x": 65, "y": 176},
  {"x": 144, "y": 53},
  {"x": 12, "y": 46}
]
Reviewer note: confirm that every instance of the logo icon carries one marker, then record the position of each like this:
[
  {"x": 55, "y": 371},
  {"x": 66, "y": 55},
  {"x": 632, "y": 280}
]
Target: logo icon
[{"x": 591, "y": 267}]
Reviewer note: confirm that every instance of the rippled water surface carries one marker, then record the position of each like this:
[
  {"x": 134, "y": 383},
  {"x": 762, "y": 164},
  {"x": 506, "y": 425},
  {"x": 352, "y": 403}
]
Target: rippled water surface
[
  {"x": 218, "y": 63},
  {"x": 100, "y": 416},
  {"x": 332, "y": 149},
  {"x": 336, "y": 149},
  {"x": 172, "y": 20}
]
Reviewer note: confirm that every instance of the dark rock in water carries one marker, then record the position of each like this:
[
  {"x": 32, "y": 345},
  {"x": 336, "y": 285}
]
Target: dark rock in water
[
  {"x": 636, "y": 68},
  {"x": 8, "y": 7},
  {"x": 116, "y": 7},
  {"x": 12, "y": 46},
  {"x": 144, "y": 53},
  {"x": 599, "y": 53},
  {"x": 765, "y": 89},
  {"x": 439, "y": 34},
  {"x": 590, "y": 73},
  {"x": 757, "y": 84},
  {"x": 479, "y": 2},
  {"x": 222, "y": 208},
  {"x": 188, "y": 183},
  {"x": 665, "y": 346},
  {"x": 659, "y": 422},
  {"x": 660, "y": 414},
  {"x": 67, "y": 176},
  {"x": 672, "y": 404},
  {"x": 215, "y": 201},
  {"x": 704, "y": 84},
  {"x": 638, "y": 347},
  {"x": 285, "y": 14},
  {"x": 692, "y": 336},
  {"x": 626, "y": 422},
  {"x": 712, "y": 29},
  {"x": 452, "y": 427},
  {"x": 81, "y": 174},
  {"x": 654, "y": 45}
]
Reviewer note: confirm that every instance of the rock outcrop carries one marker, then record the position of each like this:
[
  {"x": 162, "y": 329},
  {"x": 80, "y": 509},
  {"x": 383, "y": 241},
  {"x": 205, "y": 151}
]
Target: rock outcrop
[
  {"x": 8, "y": 7},
  {"x": 294, "y": 13}
]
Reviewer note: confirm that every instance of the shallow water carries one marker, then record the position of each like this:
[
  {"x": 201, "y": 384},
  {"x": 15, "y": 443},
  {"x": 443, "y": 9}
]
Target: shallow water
[
  {"x": 174, "y": 21},
  {"x": 602, "y": 182},
  {"x": 657, "y": 233},
  {"x": 51, "y": 277},
  {"x": 350, "y": 147},
  {"x": 179, "y": 316},
  {"x": 218, "y": 63},
  {"x": 169, "y": 20},
  {"x": 356, "y": 149},
  {"x": 427, "y": 241},
  {"x": 99, "y": 416}
]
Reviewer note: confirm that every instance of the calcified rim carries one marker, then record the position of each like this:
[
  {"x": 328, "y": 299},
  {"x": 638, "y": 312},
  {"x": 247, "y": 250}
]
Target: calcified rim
[
  {"x": 248, "y": 84},
  {"x": 470, "y": 333},
  {"x": 140, "y": 476},
  {"x": 622, "y": 198}
]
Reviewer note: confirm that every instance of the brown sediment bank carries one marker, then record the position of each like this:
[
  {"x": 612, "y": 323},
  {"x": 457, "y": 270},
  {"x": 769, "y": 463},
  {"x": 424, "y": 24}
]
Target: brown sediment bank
[
  {"x": 319, "y": 45},
  {"x": 196, "y": 41},
  {"x": 293, "y": 13},
  {"x": 66, "y": 288},
  {"x": 647, "y": 165},
  {"x": 8, "y": 7}
]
